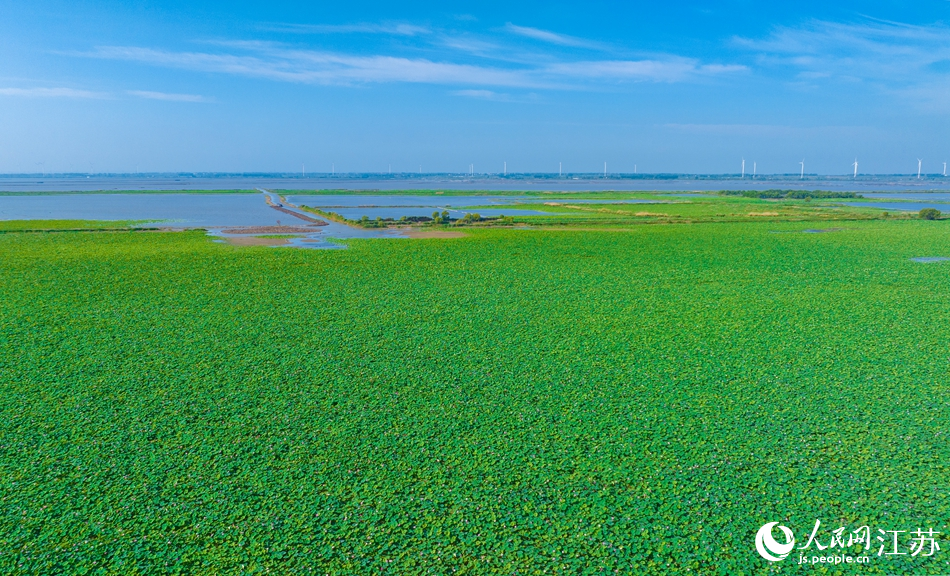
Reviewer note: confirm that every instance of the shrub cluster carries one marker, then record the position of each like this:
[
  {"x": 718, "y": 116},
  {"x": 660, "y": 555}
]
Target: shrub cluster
[{"x": 442, "y": 218}]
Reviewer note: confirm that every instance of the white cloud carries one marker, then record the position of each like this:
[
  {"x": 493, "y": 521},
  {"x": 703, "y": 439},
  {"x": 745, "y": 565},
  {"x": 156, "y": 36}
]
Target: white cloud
[
  {"x": 492, "y": 96},
  {"x": 51, "y": 93},
  {"x": 669, "y": 70},
  {"x": 395, "y": 29},
  {"x": 551, "y": 37},
  {"x": 277, "y": 62},
  {"x": 166, "y": 96},
  {"x": 315, "y": 67},
  {"x": 904, "y": 61},
  {"x": 872, "y": 49}
]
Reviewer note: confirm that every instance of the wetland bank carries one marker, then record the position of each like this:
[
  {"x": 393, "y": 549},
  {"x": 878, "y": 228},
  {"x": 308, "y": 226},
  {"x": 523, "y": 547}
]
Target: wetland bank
[{"x": 601, "y": 391}]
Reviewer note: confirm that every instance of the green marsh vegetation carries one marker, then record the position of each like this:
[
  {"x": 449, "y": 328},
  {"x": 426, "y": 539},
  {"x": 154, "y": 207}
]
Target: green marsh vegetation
[
  {"x": 67, "y": 225},
  {"x": 636, "y": 399}
]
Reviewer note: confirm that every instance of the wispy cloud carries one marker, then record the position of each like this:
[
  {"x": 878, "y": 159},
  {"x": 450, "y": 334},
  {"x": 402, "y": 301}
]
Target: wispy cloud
[
  {"x": 395, "y": 29},
  {"x": 904, "y": 60},
  {"x": 870, "y": 49},
  {"x": 52, "y": 93},
  {"x": 551, "y": 37},
  {"x": 669, "y": 70},
  {"x": 493, "y": 96},
  {"x": 149, "y": 95},
  {"x": 278, "y": 62},
  {"x": 317, "y": 67}
]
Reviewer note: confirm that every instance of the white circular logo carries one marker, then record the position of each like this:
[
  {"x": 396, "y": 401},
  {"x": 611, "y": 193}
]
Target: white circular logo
[{"x": 770, "y": 549}]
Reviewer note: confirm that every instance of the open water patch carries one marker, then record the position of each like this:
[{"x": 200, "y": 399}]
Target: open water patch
[
  {"x": 900, "y": 206},
  {"x": 173, "y": 210},
  {"x": 928, "y": 259},
  {"x": 918, "y": 197}
]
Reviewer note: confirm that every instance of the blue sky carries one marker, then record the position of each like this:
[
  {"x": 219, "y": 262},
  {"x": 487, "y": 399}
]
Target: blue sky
[{"x": 362, "y": 86}]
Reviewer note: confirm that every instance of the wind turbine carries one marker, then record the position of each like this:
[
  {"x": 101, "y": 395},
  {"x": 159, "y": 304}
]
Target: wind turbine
[
  {"x": 944, "y": 168},
  {"x": 558, "y": 169},
  {"x": 855, "y": 167},
  {"x": 918, "y": 168},
  {"x": 506, "y": 168},
  {"x": 753, "y": 170},
  {"x": 743, "y": 169},
  {"x": 605, "y": 169},
  {"x": 803, "y": 168}
]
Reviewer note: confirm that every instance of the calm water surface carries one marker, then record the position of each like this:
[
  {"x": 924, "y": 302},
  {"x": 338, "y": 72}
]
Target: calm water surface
[
  {"x": 446, "y": 182},
  {"x": 182, "y": 210},
  {"x": 901, "y": 206}
]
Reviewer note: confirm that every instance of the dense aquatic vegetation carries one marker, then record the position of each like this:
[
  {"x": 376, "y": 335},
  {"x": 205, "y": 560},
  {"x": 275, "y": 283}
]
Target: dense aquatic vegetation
[
  {"x": 637, "y": 401},
  {"x": 42, "y": 225}
]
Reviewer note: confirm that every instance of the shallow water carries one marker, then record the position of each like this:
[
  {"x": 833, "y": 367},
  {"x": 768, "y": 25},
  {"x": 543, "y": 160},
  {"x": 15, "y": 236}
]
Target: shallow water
[
  {"x": 211, "y": 211},
  {"x": 920, "y": 197},
  {"x": 925, "y": 259},
  {"x": 901, "y": 206},
  {"x": 177, "y": 210}
]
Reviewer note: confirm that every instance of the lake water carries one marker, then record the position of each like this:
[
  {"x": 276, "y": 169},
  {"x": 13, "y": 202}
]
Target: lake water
[
  {"x": 901, "y": 206},
  {"x": 583, "y": 183},
  {"x": 211, "y": 211},
  {"x": 180, "y": 210},
  {"x": 921, "y": 197}
]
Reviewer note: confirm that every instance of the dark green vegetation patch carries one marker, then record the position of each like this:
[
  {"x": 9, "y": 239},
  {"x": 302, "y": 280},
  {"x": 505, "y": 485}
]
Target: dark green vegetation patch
[
  {"x": 790, "y": 194},
  {"x": 511, "y": 402}
]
